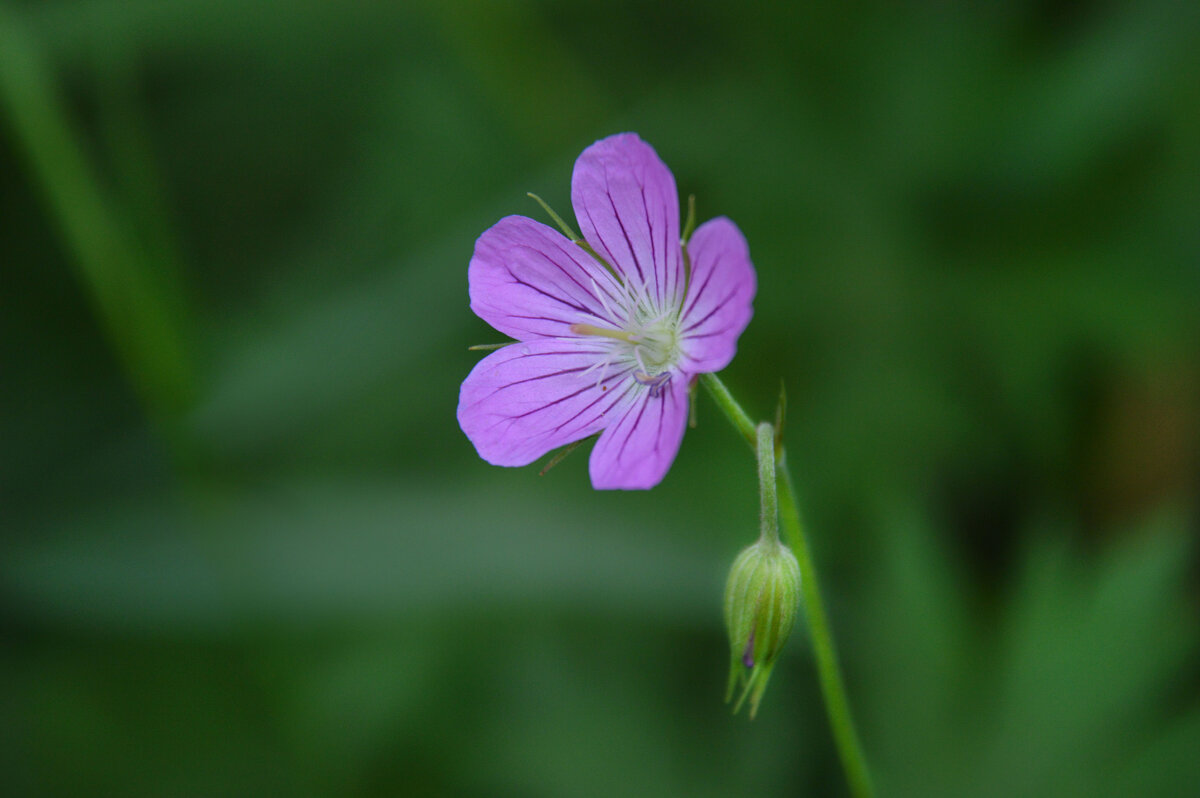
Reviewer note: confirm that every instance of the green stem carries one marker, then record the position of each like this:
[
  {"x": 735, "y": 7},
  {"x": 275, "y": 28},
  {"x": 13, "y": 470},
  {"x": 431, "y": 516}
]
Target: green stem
[
  {"x": 836, "y": 703},
  {"x": 729, "y": 406},
  {"x": 833, "y": 689},
  {"x": 767, "y": 484}
]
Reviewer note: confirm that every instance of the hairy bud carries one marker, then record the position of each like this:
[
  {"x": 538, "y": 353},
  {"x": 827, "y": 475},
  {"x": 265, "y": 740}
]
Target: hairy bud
[{"x": 762, "y": 598}]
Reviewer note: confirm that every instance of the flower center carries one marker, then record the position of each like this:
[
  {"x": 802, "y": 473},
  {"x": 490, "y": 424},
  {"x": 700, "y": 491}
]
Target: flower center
[{"x": 650, "y": 341}]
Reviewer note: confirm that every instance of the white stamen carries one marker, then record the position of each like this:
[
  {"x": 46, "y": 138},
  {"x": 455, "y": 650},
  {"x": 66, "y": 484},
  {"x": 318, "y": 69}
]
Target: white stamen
[
  {"x": 643, "y": 338},
  {"x": 600, "y": 295}
]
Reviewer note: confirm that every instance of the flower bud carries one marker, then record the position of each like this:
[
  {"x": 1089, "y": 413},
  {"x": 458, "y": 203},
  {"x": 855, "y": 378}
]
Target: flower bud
[{"x": 762, "y": 597}]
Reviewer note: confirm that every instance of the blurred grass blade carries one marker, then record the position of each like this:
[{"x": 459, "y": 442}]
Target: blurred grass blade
[
  {"x": 142, "y": 323},
  {"x": 137, "y": 177}
]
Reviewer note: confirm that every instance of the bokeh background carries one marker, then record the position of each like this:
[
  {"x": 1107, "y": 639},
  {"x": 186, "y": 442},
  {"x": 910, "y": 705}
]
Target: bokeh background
[{"x": 246, "y": 550}]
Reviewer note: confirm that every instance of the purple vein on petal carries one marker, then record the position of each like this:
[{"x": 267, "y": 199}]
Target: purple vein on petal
[
  {"x": 539, "y": 318},
  {"x": 559, "y": 353},
  {"x": 658, "y": 279},
  {"x": 557, "y": 299},
  {"x": 602, "y": 284},
  {"x": 670, "y": 277},
  {"x": 540, "y": 377},
  {"x": 716, "y": 309},
  {"x": 576, "y": 351},
  {"x": 662, "y": 418},
  {"x": 604, "y": 249},
  {"x": 713, "y": 334},
  {"x": 617, "y": 397},
  {"x": 695, "y": 295},
  {"x": 666, "y": 281},
  {"x": 641, "y": 408},
  {"x": 604, "y": 244},
  {"x": 628, "y": 242},
  {"x": 591, "y": 386},
  {"x": 587, "y": 292},
  {"x": 578, "y": 359}
]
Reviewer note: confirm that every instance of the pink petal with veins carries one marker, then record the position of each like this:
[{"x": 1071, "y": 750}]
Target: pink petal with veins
[
  {"x": 636, "y": 451},
  {"x": 628, "y": 210},
  {"x": 528, "y": 398},
  {"x": 718, "y": 305},
  {"x": 528, "y": 281}
]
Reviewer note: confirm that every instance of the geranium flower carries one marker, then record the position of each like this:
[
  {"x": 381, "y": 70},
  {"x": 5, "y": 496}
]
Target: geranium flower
[{"x": 610, "y": 330}]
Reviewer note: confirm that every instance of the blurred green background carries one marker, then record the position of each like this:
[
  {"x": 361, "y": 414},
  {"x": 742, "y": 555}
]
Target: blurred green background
[{"x": 246, "y": 550}]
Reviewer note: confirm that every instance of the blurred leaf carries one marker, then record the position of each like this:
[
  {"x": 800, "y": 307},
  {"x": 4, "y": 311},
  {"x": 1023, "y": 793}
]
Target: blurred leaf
[
  {"x": 1063, "y": 689},
  {"x": 309, "y": 550}
]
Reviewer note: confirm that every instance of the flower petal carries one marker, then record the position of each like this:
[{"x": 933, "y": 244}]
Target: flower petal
[
  {"x": 720, "y": 292},
  {"x": 628, "y": 210},
  {"x": 635, "y": 452},
  {"x": 528, "y": 398},
  {"x": 528, "y": 281}
]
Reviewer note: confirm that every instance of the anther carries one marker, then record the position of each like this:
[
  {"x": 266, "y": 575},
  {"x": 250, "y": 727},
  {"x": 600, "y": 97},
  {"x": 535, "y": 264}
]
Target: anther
[
  {"x": 655, "y": 382},
  {"x": 601, "y": 332}
]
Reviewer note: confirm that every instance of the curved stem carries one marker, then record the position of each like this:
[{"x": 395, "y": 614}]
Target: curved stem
[
  {"x": 729, "y": 406},
  {"x": 837, "y": 706}
]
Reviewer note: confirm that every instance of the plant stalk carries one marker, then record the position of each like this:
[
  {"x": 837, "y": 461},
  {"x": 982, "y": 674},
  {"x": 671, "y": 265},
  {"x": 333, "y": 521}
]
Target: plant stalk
[{"x": 833, "y": 689}]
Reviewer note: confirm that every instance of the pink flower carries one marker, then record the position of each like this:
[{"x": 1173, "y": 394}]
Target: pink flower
[{"x": 605, "y": 344}]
